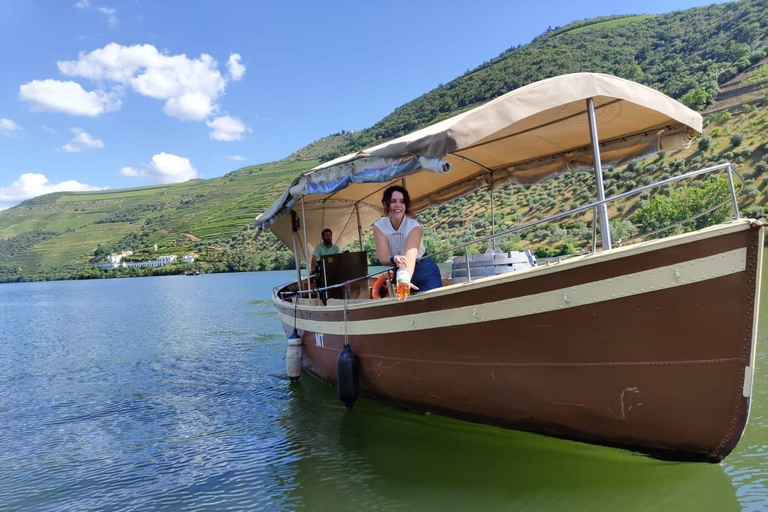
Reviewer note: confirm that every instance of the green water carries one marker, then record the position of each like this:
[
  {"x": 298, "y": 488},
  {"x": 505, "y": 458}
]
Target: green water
[{"x": 170, "y": 393}]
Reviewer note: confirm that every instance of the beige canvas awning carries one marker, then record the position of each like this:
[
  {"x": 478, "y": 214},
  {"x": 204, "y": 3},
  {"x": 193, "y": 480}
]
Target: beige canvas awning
[{"x": 524, "y": 136}]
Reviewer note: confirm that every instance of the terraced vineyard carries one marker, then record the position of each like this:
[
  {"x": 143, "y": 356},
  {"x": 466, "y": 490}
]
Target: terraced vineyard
[{"x": 178, "y": 218}]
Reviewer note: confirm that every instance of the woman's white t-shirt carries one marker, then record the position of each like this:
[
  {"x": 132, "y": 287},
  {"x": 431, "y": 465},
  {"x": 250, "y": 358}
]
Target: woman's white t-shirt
[{"x": 397, "y": 237}]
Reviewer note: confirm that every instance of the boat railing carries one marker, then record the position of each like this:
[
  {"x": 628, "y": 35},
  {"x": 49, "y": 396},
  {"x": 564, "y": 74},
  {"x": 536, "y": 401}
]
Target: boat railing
[
  {"x": 734, "y": 214},
  {"x": 595, "y": 205}
]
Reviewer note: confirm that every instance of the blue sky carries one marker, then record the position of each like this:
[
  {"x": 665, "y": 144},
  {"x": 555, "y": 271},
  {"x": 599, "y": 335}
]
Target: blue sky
[{"x": 99, "y": 94}]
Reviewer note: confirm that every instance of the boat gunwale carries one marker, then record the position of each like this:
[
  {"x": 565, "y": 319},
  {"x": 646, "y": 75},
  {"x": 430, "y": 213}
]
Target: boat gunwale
[{"x": 575, "y": 262}]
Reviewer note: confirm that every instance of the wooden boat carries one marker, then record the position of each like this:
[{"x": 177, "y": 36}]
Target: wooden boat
[{"x": 649, "y": 346}]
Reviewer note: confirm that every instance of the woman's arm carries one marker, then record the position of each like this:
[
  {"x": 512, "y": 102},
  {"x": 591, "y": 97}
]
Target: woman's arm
[
  {"x": 412, "y": 244},
  {"x": 382, "y": 246}
]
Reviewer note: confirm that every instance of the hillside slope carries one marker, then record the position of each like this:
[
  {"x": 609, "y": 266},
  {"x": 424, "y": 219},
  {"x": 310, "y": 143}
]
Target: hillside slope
[
  {"x": 685, "y": 54},
  {"x": 60, "y": 232},
  {"x": 709, "y": 57}
]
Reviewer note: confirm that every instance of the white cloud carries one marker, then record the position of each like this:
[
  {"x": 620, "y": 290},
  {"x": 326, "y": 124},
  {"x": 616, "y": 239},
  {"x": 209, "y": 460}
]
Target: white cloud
[
  {"x": 80, "y": 141},
  {"x": 32, "y": 185},
  {"x": 110, "y": 14},
  {"x": 82, "y": 4},
  {"x": 8, "y": 127},
  {"x": 236, "y": 69},
  {"x": 164, "y": 168},
  {"x": 227, "y": 128},
  {"x": 67, "y": 97},
  {"x": 70, "y": 148},
  {"x": 50, "y": 130},
  {"x": 85, "y": 140},
  {"x": 131, "y": 172},
  {"x": 194, "y": 106},
  {"x": 190, "y": 87},
  {"x": 236, "y": 158}
]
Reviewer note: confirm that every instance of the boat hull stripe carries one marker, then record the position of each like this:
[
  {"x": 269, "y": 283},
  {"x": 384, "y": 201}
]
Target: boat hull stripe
[{"x": 661, "y": 278}]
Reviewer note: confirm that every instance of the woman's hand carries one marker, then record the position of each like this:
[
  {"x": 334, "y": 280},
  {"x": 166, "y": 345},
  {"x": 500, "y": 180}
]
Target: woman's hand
[
  {"x": 413, "y": 287},
  {"x": 402, "y": 262}
]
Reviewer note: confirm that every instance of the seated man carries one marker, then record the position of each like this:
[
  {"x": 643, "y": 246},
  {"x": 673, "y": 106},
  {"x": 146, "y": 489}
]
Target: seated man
[{"x": 327, "y": 247}]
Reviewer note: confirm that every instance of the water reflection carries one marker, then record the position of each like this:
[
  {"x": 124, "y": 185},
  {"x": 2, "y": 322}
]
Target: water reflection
[
  {"x": 748, "y": 464},
  {"x": 188, "y": 407},
  {"x": 377, "y": 457}
]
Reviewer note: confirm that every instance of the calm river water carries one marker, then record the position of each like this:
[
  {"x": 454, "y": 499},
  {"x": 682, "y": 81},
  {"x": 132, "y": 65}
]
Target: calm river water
[{"x": 170, "y": 393}]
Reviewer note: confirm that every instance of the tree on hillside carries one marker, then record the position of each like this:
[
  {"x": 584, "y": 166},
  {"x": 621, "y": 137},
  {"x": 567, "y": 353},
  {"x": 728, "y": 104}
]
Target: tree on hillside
[
  {"x": 664, "y": 210},
  {"x": 697, "y": 99}
]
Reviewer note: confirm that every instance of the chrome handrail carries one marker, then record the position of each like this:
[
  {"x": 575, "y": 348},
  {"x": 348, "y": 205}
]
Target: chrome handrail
[
  {"x": 596, "y": 204},
  {"x": 679, "y": 223},
  {"x": 326, "y": 288}
]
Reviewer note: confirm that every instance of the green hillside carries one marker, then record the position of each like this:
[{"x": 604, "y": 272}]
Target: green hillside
[
  {"x": 56, "y": 233},
  {"x": 685, "y": 54},
  {"x": 712, "y": 58}
]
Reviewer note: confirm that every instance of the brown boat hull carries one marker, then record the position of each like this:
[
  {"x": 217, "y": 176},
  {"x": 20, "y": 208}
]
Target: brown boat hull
[{"x": 649, "y": 347}]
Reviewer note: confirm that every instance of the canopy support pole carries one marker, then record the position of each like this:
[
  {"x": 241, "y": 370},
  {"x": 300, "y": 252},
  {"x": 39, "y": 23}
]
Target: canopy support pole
[
  {"x": 294, "y": 234},
  {"x": 306, "y": 247},
  {"x": 493, "y": 216},
  {"x": 323, "y": 222},
  {"x": 602, "y": 208},
  {"x": 359, "y": 227},
  {"x": 594, "y": 230},
  {"x": 734, "y": 202}
]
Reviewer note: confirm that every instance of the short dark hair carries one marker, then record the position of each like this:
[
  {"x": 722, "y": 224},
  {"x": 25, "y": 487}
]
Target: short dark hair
[
  {"x": 387, "y": 197},
  {"x": 326, "y": 229}
]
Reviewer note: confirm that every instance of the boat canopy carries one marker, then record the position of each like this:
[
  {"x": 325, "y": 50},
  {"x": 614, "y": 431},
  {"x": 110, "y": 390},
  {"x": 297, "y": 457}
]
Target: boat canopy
[{"x": 525, "y": 136}]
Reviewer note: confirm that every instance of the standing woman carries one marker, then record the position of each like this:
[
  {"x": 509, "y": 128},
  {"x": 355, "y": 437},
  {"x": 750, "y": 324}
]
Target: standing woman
[{"x": 399, "y": 240}]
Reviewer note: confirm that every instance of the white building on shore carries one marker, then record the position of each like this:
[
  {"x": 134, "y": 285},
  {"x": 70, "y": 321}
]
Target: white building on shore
[
  {"x": 115, "y": 261},
  {"x": 161, "y": 261},
  {"x": 166, "y": 260}
]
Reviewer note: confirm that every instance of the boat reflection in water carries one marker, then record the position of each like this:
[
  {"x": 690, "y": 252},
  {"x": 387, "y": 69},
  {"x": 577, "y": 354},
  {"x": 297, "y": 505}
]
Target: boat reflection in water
[
  {"x": 379, "y": 458},
  {"x": 649, "y": 346}
]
